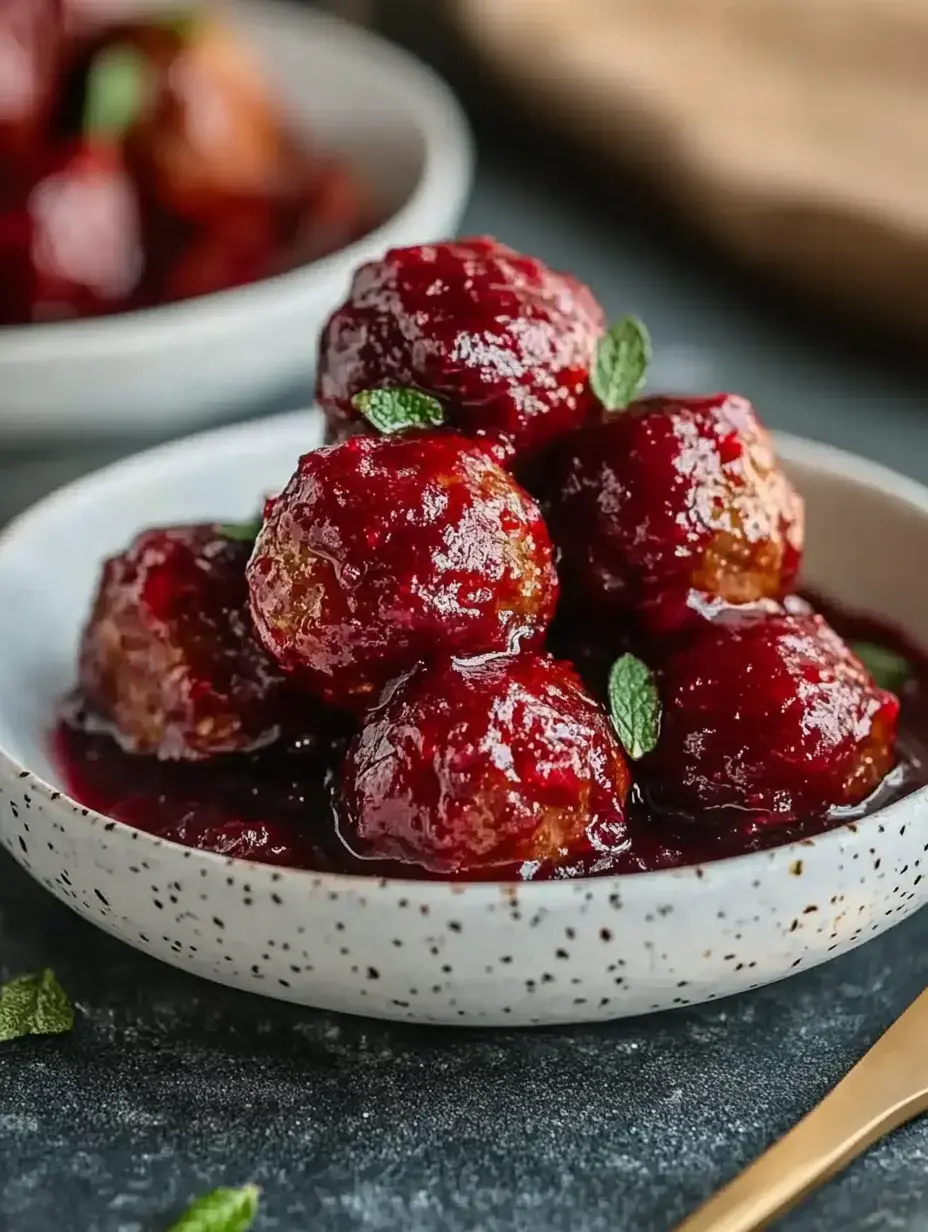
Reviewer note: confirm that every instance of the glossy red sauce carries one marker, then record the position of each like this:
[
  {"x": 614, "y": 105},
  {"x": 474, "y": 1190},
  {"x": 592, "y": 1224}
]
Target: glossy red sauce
[{"x": 274, "y": 804}]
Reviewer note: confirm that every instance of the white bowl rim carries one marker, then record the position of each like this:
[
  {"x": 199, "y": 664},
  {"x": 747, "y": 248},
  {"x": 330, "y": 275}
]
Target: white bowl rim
[
  {"x": 450, "y": 156},
  {"x": 828, "y": 458}
]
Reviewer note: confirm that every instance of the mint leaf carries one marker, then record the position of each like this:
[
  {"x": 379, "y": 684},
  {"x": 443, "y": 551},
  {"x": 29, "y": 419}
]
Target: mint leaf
[
  {"x": 34, "y": 1005},
  {"x": 621, "y": 363},
  {"x": 634, "y": 705},
  {"x": 241, "y": 532},
  {"x": 223, "y": 1210},
  {"x": 394, "y": 410},
  {"x": 888, "y": 669},
  {"x": 119, "y": 85}
]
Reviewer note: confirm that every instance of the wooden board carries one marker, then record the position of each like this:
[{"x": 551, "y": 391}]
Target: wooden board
[{"x": 793, "y": 132}]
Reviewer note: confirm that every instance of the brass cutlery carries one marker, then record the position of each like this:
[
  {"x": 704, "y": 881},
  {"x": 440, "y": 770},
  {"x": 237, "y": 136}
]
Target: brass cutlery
[{"x": 887, "y": 1088}]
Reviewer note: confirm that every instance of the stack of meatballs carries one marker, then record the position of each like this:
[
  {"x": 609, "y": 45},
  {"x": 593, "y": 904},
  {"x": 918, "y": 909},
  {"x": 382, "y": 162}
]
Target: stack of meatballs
[{"x": 431, "y": 607}]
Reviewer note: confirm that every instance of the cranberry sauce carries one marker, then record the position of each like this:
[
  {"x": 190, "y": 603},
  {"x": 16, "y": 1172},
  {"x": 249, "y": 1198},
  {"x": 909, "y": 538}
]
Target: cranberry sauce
[{"x": 273, "y": 805}]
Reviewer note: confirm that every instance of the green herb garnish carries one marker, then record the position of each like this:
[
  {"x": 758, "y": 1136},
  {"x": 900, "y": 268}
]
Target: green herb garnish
[
  {"x": 888, "y": 669},
  {"x": 34, "y": 1005},
  {"x": 634, "y": 705},
  {"x": 223, "y": 1210},
  {"x": 119, "y": 84},
  {"x": 395, "y": 410},
  {"x": 621, "y": 363},
  {"x": 241, "y": 532}
]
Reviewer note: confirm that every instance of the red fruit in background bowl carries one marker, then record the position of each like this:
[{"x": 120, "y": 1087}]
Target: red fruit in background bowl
[
  {"x": 201, "y": 261},
  {"x": 72, "y": 244},
  {"x": 325, "y": 208},
  {"x": 492, "y": 767},
  {"x": 30, "y": 64},
  {"x": 209, "y": 136},
  {"x": 502, "y": 340},
  {"x": 384, "y": 551},
  {"x": 672, "y": 507},
  {"x": 769, "y": 715}
]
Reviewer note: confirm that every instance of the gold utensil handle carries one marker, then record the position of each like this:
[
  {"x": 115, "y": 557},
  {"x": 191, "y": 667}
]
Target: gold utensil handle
[{"x": 888, "y": 1087}]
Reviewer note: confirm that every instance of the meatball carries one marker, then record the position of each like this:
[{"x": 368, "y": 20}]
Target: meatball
[
  {"x": 382, "y": 551},
  {"x": 503, "y": 340},
  {"x": 673, "y": 507},
  {"x": 771, "y": 714},
  {"x": 211, "y": 138},
  {"x": 169, "y": 658},
  {"x": 487, "y": 767}
]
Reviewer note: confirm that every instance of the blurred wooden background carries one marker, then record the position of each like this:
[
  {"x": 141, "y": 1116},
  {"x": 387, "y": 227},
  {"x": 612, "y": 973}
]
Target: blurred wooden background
[{"x": 791, "y": 135}]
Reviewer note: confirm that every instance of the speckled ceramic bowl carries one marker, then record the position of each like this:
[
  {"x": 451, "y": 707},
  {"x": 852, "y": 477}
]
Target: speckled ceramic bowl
[{"x": 479, "y": 954}]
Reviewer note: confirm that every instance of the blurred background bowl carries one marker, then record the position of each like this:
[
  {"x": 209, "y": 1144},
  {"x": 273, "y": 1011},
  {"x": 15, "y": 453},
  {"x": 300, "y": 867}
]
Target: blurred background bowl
[{"x": 168, "y": 368}]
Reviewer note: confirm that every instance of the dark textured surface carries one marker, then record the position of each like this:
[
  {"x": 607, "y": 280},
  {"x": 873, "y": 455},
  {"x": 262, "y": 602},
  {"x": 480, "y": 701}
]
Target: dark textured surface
[{"x": 169, "y": 1086}]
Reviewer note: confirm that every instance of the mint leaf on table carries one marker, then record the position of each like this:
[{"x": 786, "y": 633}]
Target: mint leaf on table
[
  {"x": 634, "y": 706},
  {"x": 223, "y": 1210},
  {"x": 395, "y": 410},
  {"x": 241, "y": 532},
  {"x": 621, "y": 363},
  {"x": 34, "y": 1005},
  {"x": 888, "y": 669},
  {"x": 120, "y": 83}
]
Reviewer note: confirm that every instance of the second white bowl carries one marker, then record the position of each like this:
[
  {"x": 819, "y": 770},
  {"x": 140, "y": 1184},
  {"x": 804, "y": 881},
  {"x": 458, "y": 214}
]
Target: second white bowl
[{"x": 164, "y": 368}]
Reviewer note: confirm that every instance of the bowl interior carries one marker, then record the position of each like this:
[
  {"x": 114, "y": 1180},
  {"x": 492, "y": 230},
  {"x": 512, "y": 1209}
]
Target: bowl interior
[{"x": 867, "y": 529}]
